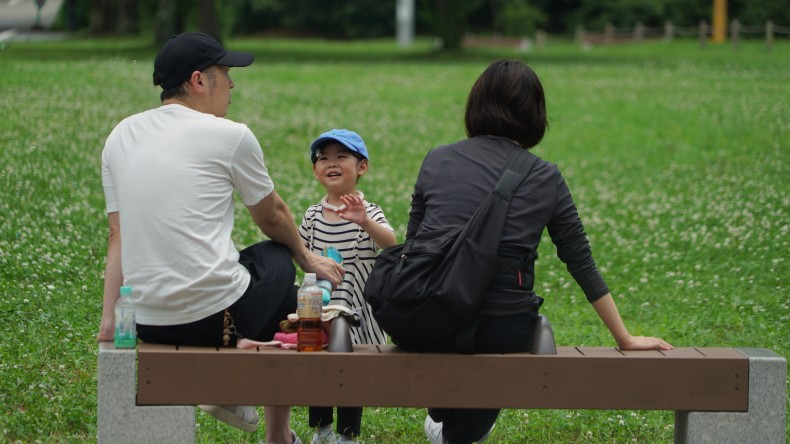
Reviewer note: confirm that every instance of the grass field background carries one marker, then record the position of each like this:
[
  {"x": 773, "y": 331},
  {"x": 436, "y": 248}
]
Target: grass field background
[{"x": 677, "y": 158}]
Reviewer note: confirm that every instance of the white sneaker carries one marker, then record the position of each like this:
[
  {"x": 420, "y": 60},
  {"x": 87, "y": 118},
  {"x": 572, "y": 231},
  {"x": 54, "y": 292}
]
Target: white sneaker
[
  {"x": 433, "y": 430},
  {"x": 347, "y": 440},
  {"x": 324, "y": 435},
  {"x": 294, "y": 439},
  {"x": 244, "y": 417}
]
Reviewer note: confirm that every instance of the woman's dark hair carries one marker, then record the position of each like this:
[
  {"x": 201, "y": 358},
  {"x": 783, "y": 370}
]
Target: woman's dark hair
[{"x": 507, "y": 101}]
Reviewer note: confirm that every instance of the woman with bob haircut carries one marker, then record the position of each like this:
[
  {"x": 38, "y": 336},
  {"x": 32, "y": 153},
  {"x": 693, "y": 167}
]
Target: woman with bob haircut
[{"x": 506, "y": 111}]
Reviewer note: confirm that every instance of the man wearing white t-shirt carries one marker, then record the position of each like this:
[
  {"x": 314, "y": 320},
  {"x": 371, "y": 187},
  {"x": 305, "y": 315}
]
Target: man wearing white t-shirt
[{"x": 169, "y": 176}]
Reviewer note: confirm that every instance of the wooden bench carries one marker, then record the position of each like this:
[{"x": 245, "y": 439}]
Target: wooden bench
[{"x": 719, "y": 395}]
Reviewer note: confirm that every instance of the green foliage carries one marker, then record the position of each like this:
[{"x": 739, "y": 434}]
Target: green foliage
[
  {"x": 677, "y": 158},
  {"x": 757, "y": 12},
  {"x": 319, "y": 18},
  {"x": 449, "y": 20},
  {"x": 622, "y": 13},
  {"x": 520, "y": 18}
]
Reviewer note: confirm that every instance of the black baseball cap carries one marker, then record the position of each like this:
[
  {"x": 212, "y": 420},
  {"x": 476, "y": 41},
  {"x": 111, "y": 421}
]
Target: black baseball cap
[{"x": 186, "y": 53}]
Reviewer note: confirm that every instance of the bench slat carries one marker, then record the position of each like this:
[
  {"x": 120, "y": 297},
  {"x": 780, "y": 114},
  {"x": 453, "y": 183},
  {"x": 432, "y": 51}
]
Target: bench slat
[{"x": 697, "y": 379}]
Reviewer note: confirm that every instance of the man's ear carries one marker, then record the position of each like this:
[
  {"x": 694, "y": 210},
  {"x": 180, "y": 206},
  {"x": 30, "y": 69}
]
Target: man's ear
[{"x": 197, "y": 80}]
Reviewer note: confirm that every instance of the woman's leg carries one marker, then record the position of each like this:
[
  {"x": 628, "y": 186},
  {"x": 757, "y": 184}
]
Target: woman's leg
[
  {"x": 464, "y": 426},
  {"x": 319, "y": 416},
  {"x": 494, "y": 334},
  {"x": 349, "y": 421}
]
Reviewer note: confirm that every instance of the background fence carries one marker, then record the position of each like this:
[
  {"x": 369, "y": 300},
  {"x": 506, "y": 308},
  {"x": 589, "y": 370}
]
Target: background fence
[{"x": 612, "y": 35}]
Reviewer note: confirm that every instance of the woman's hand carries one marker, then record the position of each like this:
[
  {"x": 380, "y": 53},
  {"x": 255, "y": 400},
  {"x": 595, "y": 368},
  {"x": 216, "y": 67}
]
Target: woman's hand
[
  {"x": 607, "y": 311},
  {"x": 644, "y": 343}
]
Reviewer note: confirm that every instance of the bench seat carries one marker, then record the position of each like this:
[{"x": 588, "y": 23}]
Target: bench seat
[
  {"x": 699, "y": 379},
  {"x": 719, "y": 395}
]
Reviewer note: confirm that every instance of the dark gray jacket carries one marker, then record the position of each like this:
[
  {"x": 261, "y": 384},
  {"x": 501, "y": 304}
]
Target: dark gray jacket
[{"x": 455, "y": 179}]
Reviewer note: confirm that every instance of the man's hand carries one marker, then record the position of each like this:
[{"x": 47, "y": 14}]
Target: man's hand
[
  {"x": 106, "y": 332},
  {"x": 323, "y": 267}
]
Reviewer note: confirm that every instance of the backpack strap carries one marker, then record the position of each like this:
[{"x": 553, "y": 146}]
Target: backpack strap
[
  {"x": 520, "y": 163},
  {"x": 518, "y": 166}
]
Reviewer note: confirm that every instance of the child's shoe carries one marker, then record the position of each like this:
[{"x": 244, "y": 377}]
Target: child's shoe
[{"x": 324, "y": 435}]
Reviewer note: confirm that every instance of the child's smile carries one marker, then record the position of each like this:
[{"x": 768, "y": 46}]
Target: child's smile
[{"x": 338, "y": 169}]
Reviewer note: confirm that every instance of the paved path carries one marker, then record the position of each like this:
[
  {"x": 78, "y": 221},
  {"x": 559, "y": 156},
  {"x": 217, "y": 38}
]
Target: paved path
[{"x": 17, "y": 18}]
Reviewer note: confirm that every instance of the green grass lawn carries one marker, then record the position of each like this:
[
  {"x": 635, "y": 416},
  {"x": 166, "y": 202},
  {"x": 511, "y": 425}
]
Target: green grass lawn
[{"x": 677, "y": 158}]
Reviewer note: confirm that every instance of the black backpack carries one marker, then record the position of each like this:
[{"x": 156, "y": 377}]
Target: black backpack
[{"x": 429, "y": 289}]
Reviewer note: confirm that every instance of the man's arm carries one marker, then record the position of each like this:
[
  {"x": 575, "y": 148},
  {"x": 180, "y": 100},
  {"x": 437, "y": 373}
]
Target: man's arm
[
  {"x": 113, "y": 279},
  {"x": 274, "y": 218}
]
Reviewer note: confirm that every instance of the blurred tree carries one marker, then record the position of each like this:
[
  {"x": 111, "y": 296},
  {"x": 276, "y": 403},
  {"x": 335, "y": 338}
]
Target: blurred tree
[
  {"x": 452, "y": 17},
  {"x": 208, "y": 21},
  {"x": 757, "y": 12},
  {"x": 449, "y": 20},
  {"x": 520, "y": 18},
  {"x": 336, "y": 19},
  {"x": 128, "y": 17},
  {"x": 168, "y": 20},
  {"x": 102, "y": 16}
]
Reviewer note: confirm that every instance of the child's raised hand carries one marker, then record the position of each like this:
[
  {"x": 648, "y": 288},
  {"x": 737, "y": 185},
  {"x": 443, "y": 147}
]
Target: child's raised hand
[{"x": 353, "y": 209}]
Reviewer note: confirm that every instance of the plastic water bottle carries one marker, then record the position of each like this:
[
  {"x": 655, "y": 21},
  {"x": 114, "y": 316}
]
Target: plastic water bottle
[
  {"x": 323, "y": 284},
  {"x": 125, "y": 327},
  {"x": 309, "y": 332}
]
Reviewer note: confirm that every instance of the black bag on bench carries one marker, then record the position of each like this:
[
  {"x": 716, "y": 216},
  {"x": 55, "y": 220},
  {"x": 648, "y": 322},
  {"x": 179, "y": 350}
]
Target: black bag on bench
[{"x": 431, "y": 286}]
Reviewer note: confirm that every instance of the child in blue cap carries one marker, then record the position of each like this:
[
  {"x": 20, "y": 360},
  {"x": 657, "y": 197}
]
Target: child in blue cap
[{"x": 358, "y": 229}]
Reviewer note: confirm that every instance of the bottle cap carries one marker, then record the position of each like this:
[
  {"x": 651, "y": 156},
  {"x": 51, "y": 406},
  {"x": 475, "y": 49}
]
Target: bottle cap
[
  {"x": 309, "y": 278},
  {"x": 126, "y": 291},
  {"x": 333, "y": 253}
]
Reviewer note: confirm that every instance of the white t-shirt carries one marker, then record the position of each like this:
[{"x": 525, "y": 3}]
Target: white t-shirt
[{"x": 171, "y": 172}]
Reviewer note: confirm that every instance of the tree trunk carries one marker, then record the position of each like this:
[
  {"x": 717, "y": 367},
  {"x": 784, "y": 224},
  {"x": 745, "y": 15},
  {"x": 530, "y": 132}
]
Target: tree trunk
[
  {"x": 167, "y": 21},
  {"x": 128, "y": 17},
  {"x": 102, "y": 18},
  {"x": 208, "y": 20},
  {"x": 450, "y": 23}
]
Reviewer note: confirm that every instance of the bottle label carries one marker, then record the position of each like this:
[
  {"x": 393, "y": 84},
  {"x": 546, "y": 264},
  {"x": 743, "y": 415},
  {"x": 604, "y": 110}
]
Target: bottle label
[
  {"x": 308, "y": 304},
  {"x": 125, "y": 330}
]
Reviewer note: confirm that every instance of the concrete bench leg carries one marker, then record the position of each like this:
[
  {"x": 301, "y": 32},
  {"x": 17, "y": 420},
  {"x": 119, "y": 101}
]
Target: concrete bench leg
[
  {"x": 763, "y": 423},
  {"x": 120, "y": 420}
]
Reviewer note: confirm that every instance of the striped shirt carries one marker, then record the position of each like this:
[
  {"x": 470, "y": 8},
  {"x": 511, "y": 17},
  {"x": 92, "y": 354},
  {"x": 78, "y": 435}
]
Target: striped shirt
[{"x": 359, "y": 251}]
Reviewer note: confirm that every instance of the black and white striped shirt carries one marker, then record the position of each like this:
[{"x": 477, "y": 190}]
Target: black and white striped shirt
[{"x": 359, "y": 251}]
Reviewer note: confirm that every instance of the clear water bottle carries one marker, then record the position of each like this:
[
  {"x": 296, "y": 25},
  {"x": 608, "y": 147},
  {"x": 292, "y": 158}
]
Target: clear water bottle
[
  {"x": 323, "y": 284},
  {"x": 309, "y": 332},
  {"x": 125, "y": 327}
]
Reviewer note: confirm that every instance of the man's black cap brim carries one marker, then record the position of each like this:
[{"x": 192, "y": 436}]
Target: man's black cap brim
[{"x": 237, "y": 59}]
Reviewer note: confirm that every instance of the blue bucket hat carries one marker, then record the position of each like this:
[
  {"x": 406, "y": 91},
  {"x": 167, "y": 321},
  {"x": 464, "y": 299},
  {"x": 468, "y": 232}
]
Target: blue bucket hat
[{"x": 347, "y": 138}]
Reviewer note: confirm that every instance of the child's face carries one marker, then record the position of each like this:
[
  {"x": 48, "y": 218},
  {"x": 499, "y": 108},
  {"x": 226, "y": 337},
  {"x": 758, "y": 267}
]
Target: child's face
[{"x": 337, "y": 169}]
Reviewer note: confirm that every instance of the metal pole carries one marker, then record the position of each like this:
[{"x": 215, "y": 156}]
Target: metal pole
[{"x": 404, "y": 18}]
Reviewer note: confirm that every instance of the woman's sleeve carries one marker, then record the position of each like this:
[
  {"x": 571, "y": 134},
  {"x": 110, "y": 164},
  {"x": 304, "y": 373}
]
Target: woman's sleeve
[
  {"x": 417, "y": 211},
  {"x": 573, "y": 248}
]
